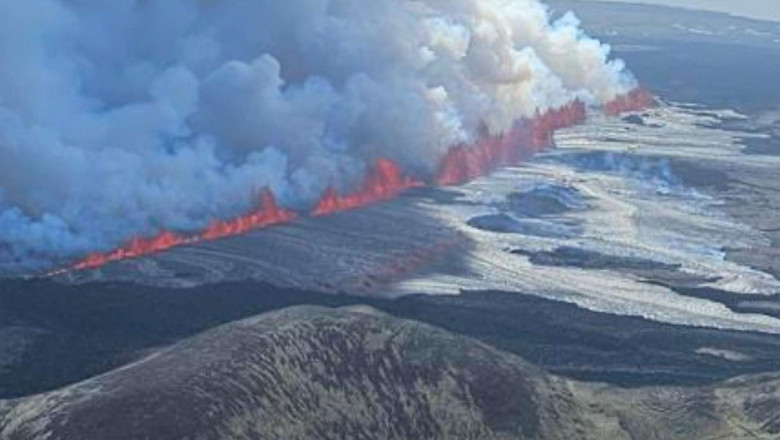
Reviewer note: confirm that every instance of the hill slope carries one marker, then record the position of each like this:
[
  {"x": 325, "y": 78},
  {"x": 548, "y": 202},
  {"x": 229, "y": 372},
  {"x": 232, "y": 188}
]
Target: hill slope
[{"x": 317, "y": 373}]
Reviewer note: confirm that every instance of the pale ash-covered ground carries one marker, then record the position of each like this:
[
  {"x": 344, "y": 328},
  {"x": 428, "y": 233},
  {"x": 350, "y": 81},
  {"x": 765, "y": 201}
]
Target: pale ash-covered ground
[
  {"x": 641, "y": 206},
  {"x": 632, "y": 178}
]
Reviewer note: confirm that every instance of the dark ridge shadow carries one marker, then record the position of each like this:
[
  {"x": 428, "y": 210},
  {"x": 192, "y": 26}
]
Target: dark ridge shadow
[{"x": 76, "y": 332}]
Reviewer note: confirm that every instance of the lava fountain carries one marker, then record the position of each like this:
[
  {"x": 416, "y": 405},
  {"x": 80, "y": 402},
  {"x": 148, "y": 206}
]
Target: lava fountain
[
  {"x": 464, "y": 163},
  {"x": 384, "y": 181},
  {"x": 636, "y": 100},
  {"x": 266, "y": 214}
]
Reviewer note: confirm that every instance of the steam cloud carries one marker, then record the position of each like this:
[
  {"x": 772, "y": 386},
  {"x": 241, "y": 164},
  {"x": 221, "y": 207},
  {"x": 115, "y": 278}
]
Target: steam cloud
[{"x": 123, "y": 117}]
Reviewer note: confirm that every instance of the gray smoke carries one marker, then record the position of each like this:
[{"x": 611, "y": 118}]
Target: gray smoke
[{"x": 122, "y": 117}]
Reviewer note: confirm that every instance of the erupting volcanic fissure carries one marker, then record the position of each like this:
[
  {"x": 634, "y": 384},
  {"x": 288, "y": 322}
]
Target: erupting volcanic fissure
[
  {"x": 386, "y": 180},
  {"x": 383, "y": 182},
  {"x": 266, "y": 214},
  {"x": 208, "y": 100},
  {"x": 637, "y": 99},
  {"x": 465, "y": 163}
]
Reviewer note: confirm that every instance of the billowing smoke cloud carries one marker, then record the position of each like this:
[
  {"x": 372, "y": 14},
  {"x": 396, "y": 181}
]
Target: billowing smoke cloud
[{"x": 122, "y": 117}]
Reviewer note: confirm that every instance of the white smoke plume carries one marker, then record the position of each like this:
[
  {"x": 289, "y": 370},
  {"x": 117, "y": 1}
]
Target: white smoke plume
[{"x": 123, "y": 117}]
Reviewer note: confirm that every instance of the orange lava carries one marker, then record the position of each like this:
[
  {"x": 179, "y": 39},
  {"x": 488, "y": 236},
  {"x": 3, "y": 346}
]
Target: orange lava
[
  {"x": 383, "y": 181},
  {"x": 637, "y": 99},
  {"x": 268, "y": 213},
  {"x": 467, "y": 162},
  {"x": 135, "y": 248}
]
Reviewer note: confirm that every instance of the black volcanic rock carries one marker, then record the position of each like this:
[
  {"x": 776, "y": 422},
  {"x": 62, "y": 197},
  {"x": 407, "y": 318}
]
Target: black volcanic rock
[
  {"x": 316, "y": 373},
  {"x": 546, "y": 200},
  {"x": 505, "y": 224},
  {"x": 303, "y": 373},
  {"x": 587, "y": 259},
  {"x": 634, "y": 119}
]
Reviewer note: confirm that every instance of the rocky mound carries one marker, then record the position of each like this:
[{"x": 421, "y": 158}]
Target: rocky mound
[{"x": 317, "y": 373}]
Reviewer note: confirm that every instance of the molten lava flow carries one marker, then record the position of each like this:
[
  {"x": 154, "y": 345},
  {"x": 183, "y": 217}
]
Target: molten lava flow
[
  {"x": 135, "y": 248},
  {"x": 464, "y": 163},
  {"x": 637, "y": 99},
  {"x": 267, "y": 214},
  {"x": 384, "y": 181}
]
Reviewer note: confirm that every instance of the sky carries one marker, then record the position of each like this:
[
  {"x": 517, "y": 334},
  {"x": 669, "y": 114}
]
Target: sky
[{"x": 760, "y": 9}]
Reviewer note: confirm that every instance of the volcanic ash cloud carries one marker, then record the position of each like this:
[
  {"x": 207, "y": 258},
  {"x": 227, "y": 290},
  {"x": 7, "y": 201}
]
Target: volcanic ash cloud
[{"x": 121, "y": 118}]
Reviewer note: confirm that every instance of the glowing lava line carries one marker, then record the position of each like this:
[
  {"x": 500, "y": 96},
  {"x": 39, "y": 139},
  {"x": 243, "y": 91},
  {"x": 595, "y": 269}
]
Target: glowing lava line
[
  {"x": 637, "y": 99},
  {"x": 384, "y": 181},
  {"x": 465, "y": 163},
  {"x": 268, "y": 213}
]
